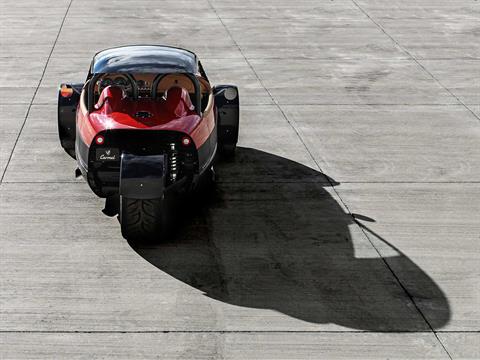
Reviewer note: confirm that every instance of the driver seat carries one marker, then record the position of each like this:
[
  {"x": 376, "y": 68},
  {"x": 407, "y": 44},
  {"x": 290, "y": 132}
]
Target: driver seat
[{"x": 112, "y": 97}]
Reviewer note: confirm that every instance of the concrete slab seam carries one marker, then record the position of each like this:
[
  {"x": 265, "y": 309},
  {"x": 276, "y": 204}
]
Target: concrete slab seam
[
  {"x": 415, "y": 60},
  {"x": 275, "y": 102},
  {"x": 234, "y": 332},
  {"x": 459, "y": 101},
  {"x": 35, "y": 92},
  {"x": 335, "y": 191}
]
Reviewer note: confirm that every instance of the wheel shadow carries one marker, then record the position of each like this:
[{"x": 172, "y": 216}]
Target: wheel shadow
[{"x": 272, "y": 235}]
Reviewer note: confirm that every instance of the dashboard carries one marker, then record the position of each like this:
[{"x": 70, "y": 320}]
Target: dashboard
[
  {"x": 119, "y": 81},
  {"x": 144, "y": 84}
]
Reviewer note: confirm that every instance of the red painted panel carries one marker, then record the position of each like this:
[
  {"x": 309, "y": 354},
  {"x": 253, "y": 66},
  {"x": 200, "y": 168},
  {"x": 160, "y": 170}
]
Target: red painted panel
[{"x": 114, "y": 111}]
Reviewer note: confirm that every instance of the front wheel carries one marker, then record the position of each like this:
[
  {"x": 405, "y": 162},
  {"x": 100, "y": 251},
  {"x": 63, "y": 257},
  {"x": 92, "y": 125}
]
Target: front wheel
[{"x": 143, "y": 220}]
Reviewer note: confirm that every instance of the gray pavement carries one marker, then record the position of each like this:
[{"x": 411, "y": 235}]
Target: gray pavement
[{"x": 364, "y": 107}]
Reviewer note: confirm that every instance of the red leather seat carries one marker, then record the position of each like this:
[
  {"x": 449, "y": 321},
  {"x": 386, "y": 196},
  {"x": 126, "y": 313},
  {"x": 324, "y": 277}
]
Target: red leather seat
[
  {"x": 178, "y": 102},
  {"x": 112, "y": 97}
]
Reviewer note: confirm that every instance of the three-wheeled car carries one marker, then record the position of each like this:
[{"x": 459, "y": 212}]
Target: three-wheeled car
[{"x": 145, "y": 125}]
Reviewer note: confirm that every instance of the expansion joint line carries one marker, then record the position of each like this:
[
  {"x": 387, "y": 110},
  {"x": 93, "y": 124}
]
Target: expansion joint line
[
  {"x": 330, "y": 181},
  {"x": 400, "y": 283},
  {"x": 272, "y": 98},
  {"x": 318, "y": 165},
  {"x": 172, "y": 331},
  {"x": 412, "y": 57},
  {"x": 36, "y": 91}
]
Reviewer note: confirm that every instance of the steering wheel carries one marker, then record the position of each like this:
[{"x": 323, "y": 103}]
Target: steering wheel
[
  {"x": 156, "y": 81},
  {"x": 125, "y": 81}
]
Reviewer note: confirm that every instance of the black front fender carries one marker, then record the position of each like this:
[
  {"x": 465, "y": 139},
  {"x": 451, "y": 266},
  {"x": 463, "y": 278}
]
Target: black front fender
[
  {"x": 228, "y": 114},
  {"x": 68, "y": 98},
  {"x": 142, "y": 176}
]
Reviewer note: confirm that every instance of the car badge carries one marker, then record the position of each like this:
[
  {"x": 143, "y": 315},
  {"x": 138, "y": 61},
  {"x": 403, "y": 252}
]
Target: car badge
[{"x": 111, "y": 154}]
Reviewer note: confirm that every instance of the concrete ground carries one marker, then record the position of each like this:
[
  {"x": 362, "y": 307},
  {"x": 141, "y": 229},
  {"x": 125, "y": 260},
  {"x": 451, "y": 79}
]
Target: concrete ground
[{"x": 380, "y": 96}]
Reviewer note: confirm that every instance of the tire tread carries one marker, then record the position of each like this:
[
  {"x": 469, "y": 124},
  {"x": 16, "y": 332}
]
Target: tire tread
[{"x": 141, "y": 220}]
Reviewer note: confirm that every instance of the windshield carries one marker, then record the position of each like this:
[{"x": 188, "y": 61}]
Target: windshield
[{"x": 144, "y": 59}]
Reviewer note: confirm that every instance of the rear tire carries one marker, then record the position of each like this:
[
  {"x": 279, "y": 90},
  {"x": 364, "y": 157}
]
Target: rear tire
[{"x": 143, "y": 220}]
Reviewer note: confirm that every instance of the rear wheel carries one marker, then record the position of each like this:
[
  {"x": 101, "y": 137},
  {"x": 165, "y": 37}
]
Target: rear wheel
[{"x": 143, "y": 220}]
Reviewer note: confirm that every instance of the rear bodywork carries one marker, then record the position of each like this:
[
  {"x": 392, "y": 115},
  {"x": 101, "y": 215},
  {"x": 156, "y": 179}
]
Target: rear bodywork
[{"x": 141, "y": 145}]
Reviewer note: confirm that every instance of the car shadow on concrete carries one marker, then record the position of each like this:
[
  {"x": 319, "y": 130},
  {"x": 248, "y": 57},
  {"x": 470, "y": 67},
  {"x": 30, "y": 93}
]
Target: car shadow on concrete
[{"x": 272, "y": 235}]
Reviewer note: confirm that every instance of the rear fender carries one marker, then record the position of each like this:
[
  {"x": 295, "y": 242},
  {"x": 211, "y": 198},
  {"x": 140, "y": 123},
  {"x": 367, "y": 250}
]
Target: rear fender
[
  {"x": 68, "y": 98},
  {"x": 227, "y": 104},
  {"x": 142, "y": 176}
]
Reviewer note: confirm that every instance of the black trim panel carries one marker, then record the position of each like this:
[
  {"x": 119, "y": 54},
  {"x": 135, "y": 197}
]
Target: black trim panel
[
  {"x": 104, "y": 174},
  {"x": 66, "y": 117},
  {"x": 228, "y": 112},
  {"x": 82, "y": 151},
  {"x": 206, "y": 152}
]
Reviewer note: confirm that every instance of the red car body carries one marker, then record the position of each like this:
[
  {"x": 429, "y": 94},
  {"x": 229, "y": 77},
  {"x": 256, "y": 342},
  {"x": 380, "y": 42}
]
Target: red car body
[{"x": 146, "y": 122}]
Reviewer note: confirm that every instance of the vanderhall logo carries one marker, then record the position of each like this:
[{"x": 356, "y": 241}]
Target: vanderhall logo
[{"x": 107, "y": 154}]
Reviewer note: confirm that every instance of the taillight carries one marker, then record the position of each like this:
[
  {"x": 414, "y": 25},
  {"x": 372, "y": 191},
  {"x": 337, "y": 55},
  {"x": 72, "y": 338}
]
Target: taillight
[
  {"x": 186, "y": 141},
  {"x": 99, "y": 140},
  {"x": 66, "y": 91}
]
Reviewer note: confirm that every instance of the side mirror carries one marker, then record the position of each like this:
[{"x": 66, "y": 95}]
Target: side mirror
[{"x": 229, "y": 92}]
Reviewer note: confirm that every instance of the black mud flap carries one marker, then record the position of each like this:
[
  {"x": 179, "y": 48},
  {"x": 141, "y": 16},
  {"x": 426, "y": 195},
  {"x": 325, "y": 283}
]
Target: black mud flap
[
  {"x": 68, "y": 98},
  {"x": 142, "y": 176},
  {"x": 227, "y": 103}
]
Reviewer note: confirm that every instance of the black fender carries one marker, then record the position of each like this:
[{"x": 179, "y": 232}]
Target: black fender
[
  {"x": 142, "y": 176},
  {"x": 228, "y": 115},
  {"x": 68, "y": 99}
]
